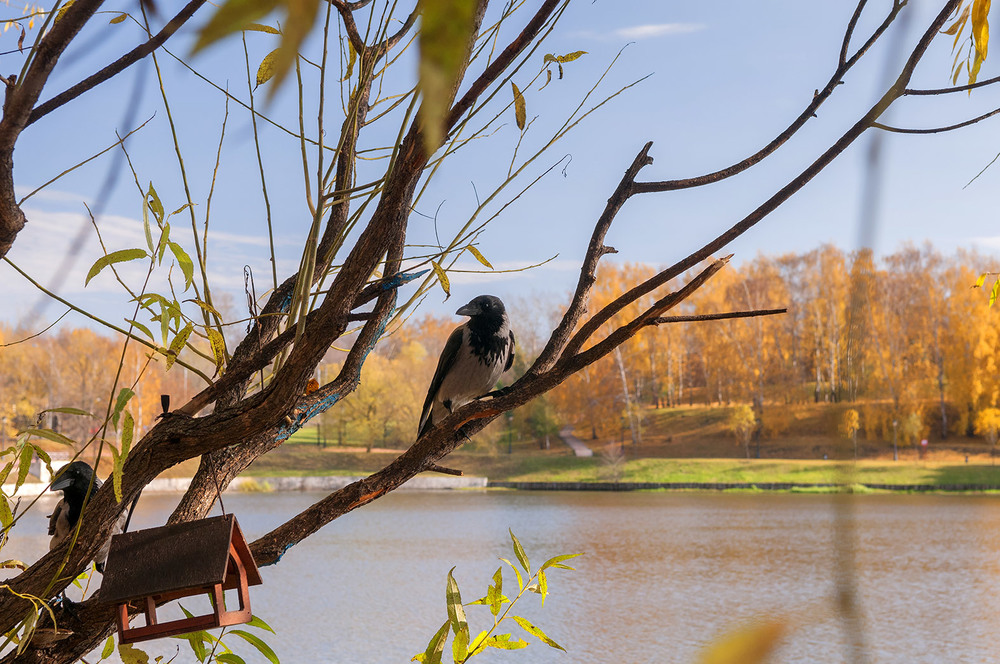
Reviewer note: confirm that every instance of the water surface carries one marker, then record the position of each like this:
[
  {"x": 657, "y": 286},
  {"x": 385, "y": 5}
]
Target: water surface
[{"x": 663, "y": 573}]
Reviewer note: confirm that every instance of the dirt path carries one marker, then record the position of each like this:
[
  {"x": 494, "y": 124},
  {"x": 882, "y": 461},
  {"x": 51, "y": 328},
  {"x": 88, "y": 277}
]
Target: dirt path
[{"x": 579, "y": 448}]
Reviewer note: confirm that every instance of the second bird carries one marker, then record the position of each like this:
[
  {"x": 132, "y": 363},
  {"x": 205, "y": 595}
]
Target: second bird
[
  {"x": 74, "y": 481},
  {"x": 474, "y": 357}
]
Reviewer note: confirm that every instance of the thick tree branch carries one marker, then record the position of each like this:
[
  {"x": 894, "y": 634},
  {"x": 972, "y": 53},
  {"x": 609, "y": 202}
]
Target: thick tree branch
[
  {"x": 20, "y": 98},
  {"x": 119, "y": 65}
]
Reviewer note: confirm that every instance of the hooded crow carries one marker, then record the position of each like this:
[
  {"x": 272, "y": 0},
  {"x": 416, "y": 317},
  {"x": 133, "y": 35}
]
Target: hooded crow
[
  {"x": 474, "y": 357},
  {"x": 74, "y": 480}
]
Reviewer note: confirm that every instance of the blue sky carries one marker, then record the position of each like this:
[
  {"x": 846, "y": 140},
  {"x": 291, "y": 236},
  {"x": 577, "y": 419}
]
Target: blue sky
[{"x": 724, "y": 78}]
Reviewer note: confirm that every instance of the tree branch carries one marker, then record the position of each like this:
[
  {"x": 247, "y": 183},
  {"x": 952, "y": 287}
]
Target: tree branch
[
  {"x": 119, "y": 65},
  {"x": 663, "y": 320}
]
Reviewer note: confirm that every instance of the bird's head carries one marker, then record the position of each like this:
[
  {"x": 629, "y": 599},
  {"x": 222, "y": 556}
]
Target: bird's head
[
  {"x": 488, "y": 307},
  {"x": 78, "y": 474}
]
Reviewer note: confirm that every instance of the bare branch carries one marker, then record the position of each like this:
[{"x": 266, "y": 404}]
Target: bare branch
[
  {"x": 664, "y": 320},
  {"x": 810, "y": 111},
  {"x": 959, "y": 88},
  {"x": 935, "y": 130}
]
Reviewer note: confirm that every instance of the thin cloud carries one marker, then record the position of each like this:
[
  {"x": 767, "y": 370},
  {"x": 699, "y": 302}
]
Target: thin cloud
[
  {"x": 647, "y": 31},
  {"x": 650, "y": 31}
]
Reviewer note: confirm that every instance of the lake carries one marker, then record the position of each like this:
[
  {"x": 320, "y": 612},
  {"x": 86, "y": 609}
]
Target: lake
[{"x": 662, "y": 576}]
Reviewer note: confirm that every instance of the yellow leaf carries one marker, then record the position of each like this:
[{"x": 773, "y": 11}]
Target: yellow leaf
[
  {"x": 118, "y": 19},
  {"x": 479, "y": 256},
  {"x": 257, "y": 27},
  {"x": 747, "y": 645},
  {"x": 519, "y": 107},
  {"x": 62, "y": 10},
  {"x": 218, "y": 343},
  {"x": 266, "y": 69},
  {"x": 445, "y": 39},
  {"x": 981, "y": 26},
  {"x": 443, "y": 278}
]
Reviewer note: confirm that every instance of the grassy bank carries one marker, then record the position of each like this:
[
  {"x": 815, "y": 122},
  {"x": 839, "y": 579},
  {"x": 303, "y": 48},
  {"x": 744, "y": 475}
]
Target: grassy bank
[
  {"x": 566, "y": 468},
  {"x": 684, "y": 444}
]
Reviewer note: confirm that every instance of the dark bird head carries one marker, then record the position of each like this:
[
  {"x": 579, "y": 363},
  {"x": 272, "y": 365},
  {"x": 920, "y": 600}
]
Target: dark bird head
[
  {"x": 76, "y": 476},
  {"x": 485, "y": 308}
]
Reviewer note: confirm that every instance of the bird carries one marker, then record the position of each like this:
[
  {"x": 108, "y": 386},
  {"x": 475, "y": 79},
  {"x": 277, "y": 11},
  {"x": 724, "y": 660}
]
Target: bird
[
  {"x": 74, "y": 481},
  {"x": 474, "y": 357}
]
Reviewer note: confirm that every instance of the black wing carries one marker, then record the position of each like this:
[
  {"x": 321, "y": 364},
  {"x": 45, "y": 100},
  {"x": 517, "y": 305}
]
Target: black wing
[
  {"x": 57, "y": 513},
  {"x": 445, "y": 363},
  {"x": 510, "y": 358}
]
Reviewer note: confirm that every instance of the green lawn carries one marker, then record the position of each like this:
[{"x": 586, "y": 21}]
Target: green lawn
[{"x": 302, "y": 460}]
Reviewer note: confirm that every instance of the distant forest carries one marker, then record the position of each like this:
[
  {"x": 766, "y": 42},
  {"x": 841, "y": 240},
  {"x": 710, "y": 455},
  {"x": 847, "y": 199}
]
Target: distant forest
[{"x": 906, "y": 337}]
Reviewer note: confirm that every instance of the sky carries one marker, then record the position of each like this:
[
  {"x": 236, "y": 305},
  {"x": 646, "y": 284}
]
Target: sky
[{"x": 716, "y": 81}]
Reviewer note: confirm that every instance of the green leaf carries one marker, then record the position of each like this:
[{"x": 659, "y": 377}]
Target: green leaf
[
  {"x": 519, "y": 552},
  {"x": 233, "y": 16},
  {"x": 154, "y": 203},
  {"x": 230, "y": 658},
  {"x": 531, "y": 629},
  {"x": 184, "y": 262},
  {"x": 177, "y": 345},
  {"x": 456, "y": 612},
  {"x": 257, "y": 643},
  {"x": 478, "y": 644},
  {"x": 543, "y": 585},
  {"x": 6, "y": 516},
  {"x": 49, "y": 434},
  {"x": 520, "y": 112},
  {"x": 124, "y": 395},
  {"x": 266, "y": 69},
  {"x": 505, "y": 642},
  {"x": 443, "y": 278},
  {"x": 257, "y": 27},
  {"x": 142, "y": 328},
  {"x": 520, "y": 581},
  {"x": 259, "y": 623},
  {"x": 132, "y": 655},
  {"x": 120, "y": 256},
  {"x": 109, "y": 647},
  {"x": 147, "y": 230},
  {"x": 118, "y": 19},
  {"x": 206, "y": 306},
  {"x": 432, "y": 655},
  {"x": 445, "y": 38},
  {"x": 69, "y": 411},
  {"x": 553, "y": 562}
]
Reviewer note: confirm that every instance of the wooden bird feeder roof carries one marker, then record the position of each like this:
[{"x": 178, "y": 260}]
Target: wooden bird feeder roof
[{"x": 150, "y": 567}]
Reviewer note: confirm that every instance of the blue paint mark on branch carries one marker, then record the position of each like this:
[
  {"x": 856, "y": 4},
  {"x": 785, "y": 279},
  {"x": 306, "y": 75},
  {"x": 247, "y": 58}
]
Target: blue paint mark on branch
[{"x": 327, "y": 402}]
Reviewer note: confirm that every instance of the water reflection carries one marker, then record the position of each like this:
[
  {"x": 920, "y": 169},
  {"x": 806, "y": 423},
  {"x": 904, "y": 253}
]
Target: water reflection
[{"x": 663, "y": 573}]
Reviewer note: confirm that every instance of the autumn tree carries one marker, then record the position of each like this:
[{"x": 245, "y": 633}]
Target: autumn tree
[{"x": 350, "y": 284}]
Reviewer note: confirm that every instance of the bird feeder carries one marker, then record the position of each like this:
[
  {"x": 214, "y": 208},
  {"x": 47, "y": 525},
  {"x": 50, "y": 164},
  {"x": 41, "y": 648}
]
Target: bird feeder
[{"x": 148, "y": 568}]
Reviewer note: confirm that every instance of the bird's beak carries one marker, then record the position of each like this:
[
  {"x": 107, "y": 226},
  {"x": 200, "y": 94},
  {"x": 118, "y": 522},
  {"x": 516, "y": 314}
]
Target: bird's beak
[
  {"x": 61, "y": 483},
  {"x": 468, "y": 310}
]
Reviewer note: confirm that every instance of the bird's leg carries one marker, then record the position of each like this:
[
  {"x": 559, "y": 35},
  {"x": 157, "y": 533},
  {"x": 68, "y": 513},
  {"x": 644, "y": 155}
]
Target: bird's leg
[{"x": 496, "y": 394}]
